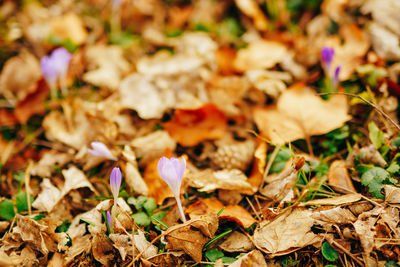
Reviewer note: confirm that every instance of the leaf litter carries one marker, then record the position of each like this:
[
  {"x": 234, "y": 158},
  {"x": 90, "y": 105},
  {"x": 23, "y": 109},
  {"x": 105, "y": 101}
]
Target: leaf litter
[{"x": 199, "y": 133}]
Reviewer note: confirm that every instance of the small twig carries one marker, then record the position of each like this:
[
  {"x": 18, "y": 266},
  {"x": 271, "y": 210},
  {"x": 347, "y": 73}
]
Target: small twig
[
  {"x": 269, "y": 164},
  {"x": 347, "y": 252},
  {"x": 253, "y": 208},
  {"x": 369, "y": 103},
  {"x": 27, "y": 187}
]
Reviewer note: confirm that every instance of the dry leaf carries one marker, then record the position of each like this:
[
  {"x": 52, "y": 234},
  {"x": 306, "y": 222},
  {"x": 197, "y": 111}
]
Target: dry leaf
[
  {"x": 237, "y": 242},
  {"x": 251, "y": 9},
  {"x": 51, "y": 159},
  {"x": 69, "y": 26},
  {"x": 385, "y": 43},
  {"x": 183, "y": 237},
  {"x": 270, "y": 82},
  {"x": 19, "y": 76},
  {"x": 335, "y": 201},
  {"x": 102, "y": 249},
  {"x": 339, "y": 178},
  {"x": 105, "y": 70},
  {"x": 234, "y": 213},
  {"x": 300, "y": 114},
  {"x": 260, "y": 54},
  {"x": 50, "y": 195},
  {"x": 260, "y": 160},
  {"x": 365, "y": 228},
  {"x": 286, "y": 233},
  {"x": 209, "y": 180},
  {"x": 80, "y": 244},
  {"x": 253, "y": 258},
  {"x": 392, "y": 194},
  {"x": 122, "y": 243},
  {"x": 336, "y": 215},
  {"x": 189, "y": 127}
]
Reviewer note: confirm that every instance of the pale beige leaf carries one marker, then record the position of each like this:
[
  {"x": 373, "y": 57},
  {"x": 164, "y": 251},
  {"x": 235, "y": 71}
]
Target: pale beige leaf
[
  {"x": 300, "y": 114},
  {"x": 253, "y": 258},
  {"x": 392, "y": 194},
  {"x": 51, "y": 159},
  {"x": 105, "y": 70},
  {"x": 286, "y": 233},
  {"x": 260, "y": 54},
  {"x": 69, "y": 26},
  {"x": 141, "y": 244},
  {"x": 134, "y": 179},
  {"x": 251, "y": 9},
  {"x": 334, "y": 201},
  {"x": 335, "y": 215},
  {"x": 208, "y": 181},
  {"x": 339, "y": 178},
  {"x": 48, "y": 197},
  {"x": 237, "y": 242}
]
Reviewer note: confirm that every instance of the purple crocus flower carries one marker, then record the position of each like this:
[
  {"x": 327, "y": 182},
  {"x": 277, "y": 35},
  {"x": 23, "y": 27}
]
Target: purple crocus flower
[
  {"x": 171, "y": 171},
  {"x": 101, "y": 150},
  {"x": 55, "y": 67},
  {"x": 335, "y": 79},
  {"x": 109, "y": 221},
  {"x": 115, "y": 183},
  {"x": 327, "y": 54}
]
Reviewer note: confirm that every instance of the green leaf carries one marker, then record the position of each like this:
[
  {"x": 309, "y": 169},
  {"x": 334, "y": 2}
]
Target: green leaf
[
  {"x": 62, "y": 228},
  {"x": 391, "y": 264},
  {"x": 373, "y": 178},
  {"x": 21, "y": 201},
  {"x": 214, "y": 255},
  {"x": 228, "y": 260},
  {"x": 39, "y": 217},
  {"x": 393, "y": 167},
  {"x": 150, "y": 205},
  {"x": 375, "y": 135},
  {"x": 280, "y": 160},
  {"x": 7, "y": 209},
  {"x": 141, "y": 218},
  {"x": 19, "y": 176},
  {"x": 328, "y": 252}
]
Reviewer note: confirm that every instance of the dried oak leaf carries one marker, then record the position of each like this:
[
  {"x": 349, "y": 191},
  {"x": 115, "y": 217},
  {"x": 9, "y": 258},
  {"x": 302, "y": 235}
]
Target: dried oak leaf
[
  {"x": 189, "y": 127},
  {"x": 300, "y": 114},
  {"x": 339, "y": 178},
  {"x": 286, "y": 233},
  {"x": 184, "y": 237},
  {"x": 209, "y": 180},
  {"x": 234, "y": 213},
  {"x": 20, "y": 76},
  {"x": 260, "y": 54},
  {"x": 105, "y": 70}
]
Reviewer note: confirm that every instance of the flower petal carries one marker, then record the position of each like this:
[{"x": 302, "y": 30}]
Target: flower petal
[
  {"x": 115, "y": 181},
  {"x": 101, "y": 150}
]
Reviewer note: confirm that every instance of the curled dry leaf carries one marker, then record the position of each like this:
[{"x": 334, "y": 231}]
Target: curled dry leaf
[
  {"x": 183, "y": 237},
  {"x": 234, "y": 213},
  {"x": 237, "y": 242},
  {"x": 209, "y": 180},
  {"x": 69, "y": 26},
  {"x": 339, "y": 178},
  {"x": 270, "y": 82},
  {"x": 79, "y": 245},
  {"x": 189, "y": 127},
  {"x": 286, "y": 233},
  {"x": 51, "y": 159},
  {"x": 141, "y": 244},
  {"x": 122, "y": 243},
  {"x": 253, "y": 258},
  {"x": 20, "y": 76},
  {"x": 50, "y": 195},
  {"x": 105, "y": 70},
  {"x": 365, "y": 228},
  {"x": 260, "y": 160},
  {"x": 300, "y": 114},
  {"x": 251, "y": 9},
  {"x": 260, "y": 54},
  {"x": 102, "y": 249}
]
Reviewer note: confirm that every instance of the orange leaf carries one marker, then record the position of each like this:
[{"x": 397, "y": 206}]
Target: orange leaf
[
  {"x": 32, "y": 104},
  {"x": 7, "y": 118},
  {"x": 233, "y": 213},
  {"x": 191, "y": 126}
]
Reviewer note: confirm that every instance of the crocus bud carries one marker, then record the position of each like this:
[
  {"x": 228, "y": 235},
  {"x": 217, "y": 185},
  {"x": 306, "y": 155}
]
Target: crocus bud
[
  {"x": 55, "y": 67},
  {"x": 171, "y": 171},
  {"x": 327, "y": 54},
  {"x": 115, "y": 183},
  {"x": 109, "y": 221},
  {"x": 335, "y": 79},
  {"x": 101, "y": 150}
]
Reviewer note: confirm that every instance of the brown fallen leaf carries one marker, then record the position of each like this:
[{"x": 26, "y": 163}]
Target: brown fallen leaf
[
  {"x": 365, "y": 228},
  {"x": 339, "y": 178},
  {"x": 7, "y": 117},
  {"x": 334, "y": 201},
  {"x": 209, "y": 180},
  {"x": 335, "y": 215},
  {"x": 184, "y": 237},
  {"x": 253, "y": 258},
  {"x": 286, "y": 233},
  {"x": 260, "y": 54},
  {"x": 300, "y": 114},
  {"x": 237, "y": 242},
  {"x": 251, "y": 9},
  {"x": 189, "y": 127},
  {"x": 260, "y": 160},
  {"x": 19, "y": 76},
  {"x": 234, "y": 213},
  {"x": 392, "y": 194},
  {"x": 69, "y": 26},
  {"x": 102, "y": 249},
  {"x": 79, "y": 245}
]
